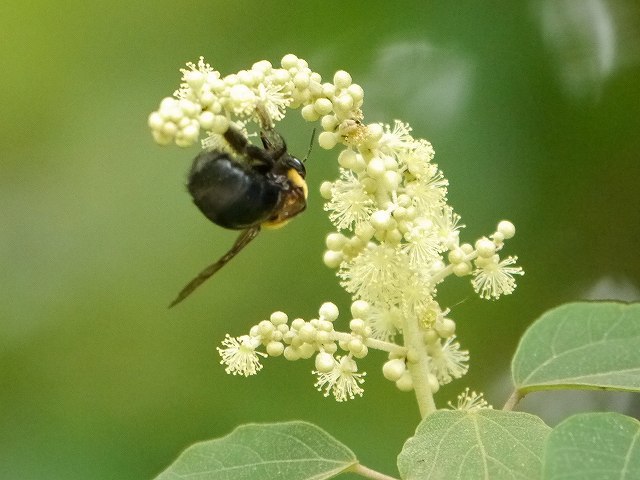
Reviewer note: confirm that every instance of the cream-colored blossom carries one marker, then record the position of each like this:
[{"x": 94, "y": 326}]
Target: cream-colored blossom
[
  {"x": 240, "y": 355},
  {"x": 448, "y": 361},
  {"x": 494, "y": 278},
  {"x": 470, "y": 402},
  {"x": 343, "y": 381}
]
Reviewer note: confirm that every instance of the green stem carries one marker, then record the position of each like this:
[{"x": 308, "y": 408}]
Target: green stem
[
  {"x": 368, "y": 473},
  {"x": 448, "y": 270},
  {"x": 374, "y": 343},
  {"x": 418, "y": 365},
  {"x": 513, "y": 400}
]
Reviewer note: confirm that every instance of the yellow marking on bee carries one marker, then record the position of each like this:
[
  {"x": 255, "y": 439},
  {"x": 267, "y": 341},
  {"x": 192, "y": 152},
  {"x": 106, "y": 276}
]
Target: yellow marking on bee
[{"x": 295, "y": 178}]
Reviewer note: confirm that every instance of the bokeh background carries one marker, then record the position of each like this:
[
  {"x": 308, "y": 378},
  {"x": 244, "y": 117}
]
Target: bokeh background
[{"x": 534, "y": 111}]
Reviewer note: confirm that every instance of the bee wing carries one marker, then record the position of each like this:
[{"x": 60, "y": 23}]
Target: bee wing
[{"x": 242, "y": 241}]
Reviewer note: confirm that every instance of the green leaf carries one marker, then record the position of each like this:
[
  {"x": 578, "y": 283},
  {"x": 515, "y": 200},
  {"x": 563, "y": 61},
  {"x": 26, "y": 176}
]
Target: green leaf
[
  {"x": 485, "y": 444},
  {"x": 598, "y": 446},
  {"x": 292, "y": 450},
  {"x": 592, "y": 345}
]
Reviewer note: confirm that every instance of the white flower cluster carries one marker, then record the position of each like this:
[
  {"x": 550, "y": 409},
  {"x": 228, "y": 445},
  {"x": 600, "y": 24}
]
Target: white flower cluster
[
  {"x": 207, "y": 101},
  {"x": 396, "y": 237},
  {"x": 337, "y": 373}
]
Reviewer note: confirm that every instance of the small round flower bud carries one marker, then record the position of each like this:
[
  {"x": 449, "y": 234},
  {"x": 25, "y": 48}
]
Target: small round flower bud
[
  {"x": 355, "y": 345},
  {"x": 359, "y": 309},
  {"x": 431, "y": 336},
  {"x": 461, "y": 269},
  {"x": 328, "y": 311},
  {"x": 189, "y": 108},
  {"x": 327, "y": 140},
  {"x": 344, "y": 103},
  {"x": 365, "y": 232},
  {"x": 375, "y": 131},
  {"x": 207, "y": 99},
  {"x": 297, "y": 324},
  {"x": 405, "y": 382},
  {"x": 265, "y": 328},
  {"x": 507, "y": 229},
  {"x": 309, "y": 113},
  {"x": 347, "y": 158},
  {"x": 323, "y": 337},
  {"x": 323, "y": 106},
  {"x": 330, "y": 347},
  {"x": 357, "y": 325},
  {"x": 262, "y": 66},
  {"x": 411, "y": 212},
  {"x": 486, "y": 261},
  {"x": 170, "y": 129},
  {"x": 361, "y": 353},
  {"x": 394, "y": 369},
  {"x": 341, "y": 79},
  {"x": 456, "y": 256},
  {"x": 329, "y": 122},
  {"x": 391, "y": 180},
  {"x": 307, "y": 333},
  {"x": 356, "y": 92},
  {"x": 381, "y": 220},
  {"x": 467, "y": 248},
  {"x": 275, "y": 349},
  {"x": 279, "y": 318},
  {"x": 325, "y": 190},
  {"x": 155, "y": 121},
  {"x": 485, "y": 247},
  {"x": 301, "y": 80},
  {"x": 289, "y": 61},
  {"x": 355, "y": 244},
  {"x": 375, "y": 168},
  {"x": 445, "y": 327},
  {"x": 324, "y": 325},
  {"x": 335, "y": 241},
  {"x": 194, "y": 78},
  {"x": 291, "y": 354},
  {"x": 399, "y": 213},
  {"x": 220, "y": 124},
  {"x": 206, "y": 120},
  {"x": 324, "y": 362},
  {"x": 306, "y": 350},
  {"x": 328, "y": 90},
  {"x": 393, "y": 236},
  {"x": 332, "y": 259}
]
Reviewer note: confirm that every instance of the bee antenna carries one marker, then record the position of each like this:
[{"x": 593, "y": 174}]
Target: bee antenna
[{"x": 313, "y": 136}]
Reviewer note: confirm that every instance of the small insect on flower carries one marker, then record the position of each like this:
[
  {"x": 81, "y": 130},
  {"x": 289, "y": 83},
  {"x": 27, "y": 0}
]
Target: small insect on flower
[{"x": 246, "y": 190}]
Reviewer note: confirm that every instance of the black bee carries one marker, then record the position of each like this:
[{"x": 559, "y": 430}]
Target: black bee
[{"x": 246, "y": 190}]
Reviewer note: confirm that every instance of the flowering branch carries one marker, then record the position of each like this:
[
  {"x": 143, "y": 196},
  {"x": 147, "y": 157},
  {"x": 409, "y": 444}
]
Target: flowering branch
[{"x": 396, "y": 237}]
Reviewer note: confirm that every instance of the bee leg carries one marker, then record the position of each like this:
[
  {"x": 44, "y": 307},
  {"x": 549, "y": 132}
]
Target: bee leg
[
  {"x": 242, "y": 241},
  {"x": 241, "y": 144}
]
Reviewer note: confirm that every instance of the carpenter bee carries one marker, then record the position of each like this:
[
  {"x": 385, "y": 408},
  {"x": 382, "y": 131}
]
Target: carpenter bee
[{"x": 245, "y": 190}]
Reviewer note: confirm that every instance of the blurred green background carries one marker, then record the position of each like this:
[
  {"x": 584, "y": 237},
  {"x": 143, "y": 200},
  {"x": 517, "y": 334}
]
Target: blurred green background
[{"x": 533, "y": 109}]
